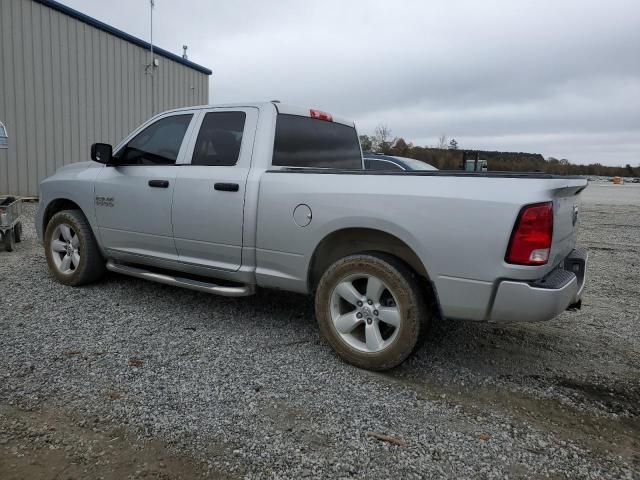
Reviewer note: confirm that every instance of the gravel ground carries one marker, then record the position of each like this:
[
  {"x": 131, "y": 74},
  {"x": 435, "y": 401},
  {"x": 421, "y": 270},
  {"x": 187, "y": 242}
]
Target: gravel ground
[{"x": 196, "y": 385}]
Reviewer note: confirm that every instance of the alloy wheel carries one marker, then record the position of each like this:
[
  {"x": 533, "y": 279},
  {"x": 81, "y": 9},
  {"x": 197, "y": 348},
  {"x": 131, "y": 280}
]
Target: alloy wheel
[
  {"x": 65, "y": 249},
  {"x": 365, "y": 313}
]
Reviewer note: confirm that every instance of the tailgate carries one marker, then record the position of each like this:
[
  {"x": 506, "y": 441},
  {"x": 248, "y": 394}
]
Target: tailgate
[{"x": 566, "y": 215}]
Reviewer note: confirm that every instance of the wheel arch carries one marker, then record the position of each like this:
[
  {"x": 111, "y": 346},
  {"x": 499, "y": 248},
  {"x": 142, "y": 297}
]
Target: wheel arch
[
  {"x": 348, "y": 241},
  {"x": 55, "y": 206}
]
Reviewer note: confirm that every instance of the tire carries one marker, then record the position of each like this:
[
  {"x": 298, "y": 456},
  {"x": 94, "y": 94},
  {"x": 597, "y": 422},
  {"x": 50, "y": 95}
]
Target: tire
[
  {"x": 17, "y": 232},
  {"x": 9, "y": 240},
  {"x": 376, "y": 336},
  {"x": 71, "y": 249}
]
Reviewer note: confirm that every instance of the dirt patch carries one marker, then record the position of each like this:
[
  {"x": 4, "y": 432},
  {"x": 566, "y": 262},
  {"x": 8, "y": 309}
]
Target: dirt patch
[
  {"x": 602, "y": 435},
  {"x": 623, "y": 400},
  {"x": 50, "y": 445}
]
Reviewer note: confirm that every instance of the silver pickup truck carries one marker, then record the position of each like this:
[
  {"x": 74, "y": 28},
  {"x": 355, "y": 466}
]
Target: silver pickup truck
[{"x": 224, "y": 199}]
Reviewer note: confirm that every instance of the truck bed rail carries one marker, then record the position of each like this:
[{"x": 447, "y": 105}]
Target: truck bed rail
[{"x": 425, "y": 173}]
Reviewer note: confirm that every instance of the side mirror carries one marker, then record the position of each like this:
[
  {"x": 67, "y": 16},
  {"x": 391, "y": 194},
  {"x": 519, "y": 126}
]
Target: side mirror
[{"x": 101, "y": 153}]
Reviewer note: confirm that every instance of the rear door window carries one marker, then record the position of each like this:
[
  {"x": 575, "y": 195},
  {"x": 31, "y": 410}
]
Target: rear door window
[
  {"x": 158, "y": 144},
  {"x": 219, "y": 139},
  {"x": 308, "y": 142}
]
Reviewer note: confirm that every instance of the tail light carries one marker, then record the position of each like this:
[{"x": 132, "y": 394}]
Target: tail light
[
  {"x": 530, "y": 242},
  {"x": 317, "y": 114}
]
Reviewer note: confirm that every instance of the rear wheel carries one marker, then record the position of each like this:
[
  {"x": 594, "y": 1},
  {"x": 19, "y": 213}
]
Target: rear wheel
[
  {"x": 371, "y": 309},
  {"x": 71, "y": 249}
]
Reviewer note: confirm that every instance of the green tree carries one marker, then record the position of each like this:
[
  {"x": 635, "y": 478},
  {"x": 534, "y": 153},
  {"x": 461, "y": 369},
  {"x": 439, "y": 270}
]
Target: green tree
[
  {"x": 400, "y": 148},
  {"x": 453, "y": 144},
  {"x": 366, "y": 142},
  {"x": 382, "y": 139}
]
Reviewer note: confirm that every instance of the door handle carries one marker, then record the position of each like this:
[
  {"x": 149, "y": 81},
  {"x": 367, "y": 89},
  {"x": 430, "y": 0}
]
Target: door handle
[
  {"x": 227, "y": 187},
  {"x": 159, "y": 183}
]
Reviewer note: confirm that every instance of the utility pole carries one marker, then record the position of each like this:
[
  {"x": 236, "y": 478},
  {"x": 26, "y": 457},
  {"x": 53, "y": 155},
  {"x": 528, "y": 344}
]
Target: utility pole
[
  {"x": 151, "y": 40},
  {"x": 152, "y": 64}
]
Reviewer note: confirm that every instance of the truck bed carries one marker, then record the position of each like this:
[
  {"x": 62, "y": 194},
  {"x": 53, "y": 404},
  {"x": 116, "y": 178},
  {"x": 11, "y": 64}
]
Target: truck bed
[{"x": 458, "y": 223}]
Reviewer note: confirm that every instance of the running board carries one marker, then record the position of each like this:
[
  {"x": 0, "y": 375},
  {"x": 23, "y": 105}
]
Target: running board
[{"x": 240, "y": 291}]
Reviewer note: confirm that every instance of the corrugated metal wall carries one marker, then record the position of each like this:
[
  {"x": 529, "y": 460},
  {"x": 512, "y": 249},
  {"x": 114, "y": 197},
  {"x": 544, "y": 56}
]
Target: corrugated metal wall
[{"x": 65, "y": 84}]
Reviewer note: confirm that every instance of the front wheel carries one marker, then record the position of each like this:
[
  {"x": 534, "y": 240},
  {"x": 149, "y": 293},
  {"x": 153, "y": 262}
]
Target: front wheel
[
  {"x": 71, "y": 249},
  {"x": 371, "y": 310}
]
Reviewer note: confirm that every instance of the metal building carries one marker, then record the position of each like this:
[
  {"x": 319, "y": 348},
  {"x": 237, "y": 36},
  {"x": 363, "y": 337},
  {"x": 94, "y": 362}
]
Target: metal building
[{"x": 68, "y": 80}]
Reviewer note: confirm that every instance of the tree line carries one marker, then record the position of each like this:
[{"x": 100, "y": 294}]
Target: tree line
[{"x": 446, "y": 155}]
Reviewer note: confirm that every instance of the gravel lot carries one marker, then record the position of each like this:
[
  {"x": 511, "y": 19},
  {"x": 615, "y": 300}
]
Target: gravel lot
[{"x": 131, "y": 379}]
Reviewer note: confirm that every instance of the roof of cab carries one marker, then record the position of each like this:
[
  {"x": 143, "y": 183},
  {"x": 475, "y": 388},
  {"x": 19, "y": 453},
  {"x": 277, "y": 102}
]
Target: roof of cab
[
  {"x": 282, "y": 108},
  {"x": 306, "y": 112}
]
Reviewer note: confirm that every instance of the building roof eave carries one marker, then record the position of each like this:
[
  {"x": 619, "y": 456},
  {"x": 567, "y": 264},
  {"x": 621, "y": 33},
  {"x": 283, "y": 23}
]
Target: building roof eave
[{"x": 123, "y": 35}]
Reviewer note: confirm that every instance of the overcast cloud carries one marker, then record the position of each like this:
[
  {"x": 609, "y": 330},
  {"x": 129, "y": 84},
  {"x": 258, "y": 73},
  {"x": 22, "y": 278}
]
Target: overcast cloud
[{"x": 553, "y": 77}]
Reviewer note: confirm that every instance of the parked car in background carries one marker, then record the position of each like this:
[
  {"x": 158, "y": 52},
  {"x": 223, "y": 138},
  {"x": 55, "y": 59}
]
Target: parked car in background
[
  {"x": 379, "y": 161},
  {"x": 224, "y": 199}
]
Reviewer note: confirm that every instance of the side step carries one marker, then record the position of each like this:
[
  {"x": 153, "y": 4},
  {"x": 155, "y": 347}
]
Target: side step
[{"x": 240, "y": 291}]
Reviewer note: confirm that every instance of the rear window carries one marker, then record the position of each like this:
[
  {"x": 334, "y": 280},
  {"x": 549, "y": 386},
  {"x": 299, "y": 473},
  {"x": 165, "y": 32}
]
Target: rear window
[{"x": 307, "y": 142}]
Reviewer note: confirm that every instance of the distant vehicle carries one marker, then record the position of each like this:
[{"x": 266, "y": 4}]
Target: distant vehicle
[
  {"x": 224, "y": 199},
  {"x": 378, "y": 161},
  {"x": 471, "y": 162},
  {"x": 475, "y": 166}
]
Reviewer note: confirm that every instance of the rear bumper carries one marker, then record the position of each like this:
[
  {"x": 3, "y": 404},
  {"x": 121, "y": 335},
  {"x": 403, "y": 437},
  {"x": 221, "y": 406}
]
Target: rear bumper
[{"x": 542, "y": 299}]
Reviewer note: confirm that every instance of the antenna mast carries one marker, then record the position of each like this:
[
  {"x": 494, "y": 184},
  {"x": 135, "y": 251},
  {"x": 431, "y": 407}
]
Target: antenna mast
[
  {"x": 152, "y": 64},
  {"x": 151, "y": 41}
]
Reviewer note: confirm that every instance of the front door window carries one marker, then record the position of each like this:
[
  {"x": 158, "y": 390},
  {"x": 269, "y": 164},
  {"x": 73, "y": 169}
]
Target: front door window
[{"x": 158, "y": 144}]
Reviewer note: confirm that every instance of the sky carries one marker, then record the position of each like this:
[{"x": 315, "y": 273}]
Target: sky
[{"x": 560, "y": 78}]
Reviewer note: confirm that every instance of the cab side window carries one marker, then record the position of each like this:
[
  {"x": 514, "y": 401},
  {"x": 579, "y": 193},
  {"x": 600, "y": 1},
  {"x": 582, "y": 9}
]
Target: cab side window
[
  {"x": 158, "y": 144},
  {"x": 219, "y": 139}
]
